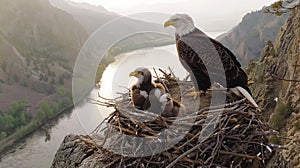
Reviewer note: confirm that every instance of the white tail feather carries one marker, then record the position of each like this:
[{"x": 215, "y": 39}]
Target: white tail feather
[{"x": 246, "y": 95}]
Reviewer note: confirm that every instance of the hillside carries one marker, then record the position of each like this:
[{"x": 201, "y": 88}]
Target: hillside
[
  {"x": 38, "y": 47},
  {"x": 250, "y": 36},
  {"x": 276, "y": 86},
  {"x": 92, "y": 17}
]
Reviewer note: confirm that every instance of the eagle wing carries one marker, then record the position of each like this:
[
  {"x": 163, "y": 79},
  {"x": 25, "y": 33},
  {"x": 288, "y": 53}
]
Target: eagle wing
[
  {"x": 138, "y": 99},
  {"x": 209, "y": 60}
]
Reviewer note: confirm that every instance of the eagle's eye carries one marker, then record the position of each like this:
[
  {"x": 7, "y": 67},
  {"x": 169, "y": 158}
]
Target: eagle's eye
[
  {"x": 142, "y": 73},
  {"x": 176, "y": 19}
]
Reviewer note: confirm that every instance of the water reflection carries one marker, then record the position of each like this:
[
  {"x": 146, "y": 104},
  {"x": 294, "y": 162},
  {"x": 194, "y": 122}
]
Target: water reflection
[{"x": 83, "y": 120}]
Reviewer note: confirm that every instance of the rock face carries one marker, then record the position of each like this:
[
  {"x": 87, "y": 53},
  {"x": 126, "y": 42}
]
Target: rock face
[
  {"x": 276, "y": 85},
  {"x": 77, "y": 151},
  {"x": 248, "y": 38},
  {"x": 276, "y": 88}
]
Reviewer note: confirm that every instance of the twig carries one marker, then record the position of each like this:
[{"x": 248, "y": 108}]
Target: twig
[
  {"x": 184, "y": 154},
  {"x": 171, "y": 71},
  {"x": 240, "y": 155},
  {"x": 288, "y": 80}
]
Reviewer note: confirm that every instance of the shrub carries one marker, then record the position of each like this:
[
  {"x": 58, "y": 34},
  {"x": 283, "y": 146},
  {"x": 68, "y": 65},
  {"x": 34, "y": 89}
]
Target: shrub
[
  {"x": 24, "y": 84},
  {"x": 2, "y": 135},
  {"x": 279, "y": 117}
]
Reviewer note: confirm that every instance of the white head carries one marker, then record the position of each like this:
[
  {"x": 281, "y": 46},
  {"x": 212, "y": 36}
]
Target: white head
[
  {"x": 143, "y": 75},
  {"x": 183, "y": 24}
]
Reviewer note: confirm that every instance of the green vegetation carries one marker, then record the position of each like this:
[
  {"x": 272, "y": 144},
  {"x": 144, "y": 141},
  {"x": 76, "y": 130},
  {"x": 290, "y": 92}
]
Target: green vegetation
[
  {"x": 279, "y": 117},
  {"x": 61, "y": 80},
  {"x": 48, "y": 110},
  {"x": 45, "y": 111},
  {"x": 17, "y": 123},
  {"x": 24, "y": 84},
  {"x": 101, "y": 68},
  {"x": 15, "y": 118}
]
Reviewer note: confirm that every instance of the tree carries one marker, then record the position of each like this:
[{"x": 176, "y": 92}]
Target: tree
[
  {"x": 61, "y": 80},
  {"x": 48, "y": 111},
  {"x": 6, "y": 122},
  {"x": 18, "y": 111},
  {"x": 53, "y": 82},
  {"x": 40, "y": 115},
  {"x": 17, "y": 107},
  {"x": 2, "y": 135}
]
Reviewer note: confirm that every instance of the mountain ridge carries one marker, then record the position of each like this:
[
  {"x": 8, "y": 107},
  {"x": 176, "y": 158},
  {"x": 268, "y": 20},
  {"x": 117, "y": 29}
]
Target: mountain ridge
[
  {"x": 248, "y": 38},
  {"x": 38, "y": 45}
]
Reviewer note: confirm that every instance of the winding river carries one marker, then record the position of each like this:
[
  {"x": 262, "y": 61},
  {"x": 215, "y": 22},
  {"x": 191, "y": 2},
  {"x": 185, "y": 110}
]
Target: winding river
[{"x": 35, "y": 152}]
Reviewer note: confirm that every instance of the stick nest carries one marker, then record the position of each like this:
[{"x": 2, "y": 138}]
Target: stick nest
[{"x": 227, "y": 135}]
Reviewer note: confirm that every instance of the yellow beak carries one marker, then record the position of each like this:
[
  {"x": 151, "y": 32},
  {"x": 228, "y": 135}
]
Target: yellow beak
[
  {"x": 169, "y": 23},
  {"x": 133, "y": 74}
]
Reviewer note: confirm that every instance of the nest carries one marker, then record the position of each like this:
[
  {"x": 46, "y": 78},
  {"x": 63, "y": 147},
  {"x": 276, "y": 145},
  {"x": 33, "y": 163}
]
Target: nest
[{"x": 227, "y": 135}]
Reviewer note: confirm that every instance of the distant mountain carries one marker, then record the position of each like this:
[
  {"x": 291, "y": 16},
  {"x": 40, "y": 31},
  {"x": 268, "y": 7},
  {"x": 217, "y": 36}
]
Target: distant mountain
[
  {"x": 38, "y": 47},
  {"x": 87, "y": 6},
  {"x": 92, "y": 17},
  {"x": 250, "y": 36}
]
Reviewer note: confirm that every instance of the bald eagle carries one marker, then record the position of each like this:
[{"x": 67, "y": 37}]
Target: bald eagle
[
  {"x": 199, "y": 54},
  {"x": 170, "y": 106},
  {"x": 145, "y": 95},
  {"x": 152, "y": 97}
]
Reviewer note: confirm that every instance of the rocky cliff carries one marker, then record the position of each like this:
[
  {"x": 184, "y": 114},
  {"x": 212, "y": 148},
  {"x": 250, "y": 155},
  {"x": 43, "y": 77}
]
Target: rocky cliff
[
  {"x": 276, "y": 85},
  {"x": 276, "y": 88},
  {"x": 250, "y": 36}
]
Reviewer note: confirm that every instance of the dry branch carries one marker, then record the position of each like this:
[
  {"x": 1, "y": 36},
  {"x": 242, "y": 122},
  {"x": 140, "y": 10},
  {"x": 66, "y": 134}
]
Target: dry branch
[{"x": 239, "y": 138}]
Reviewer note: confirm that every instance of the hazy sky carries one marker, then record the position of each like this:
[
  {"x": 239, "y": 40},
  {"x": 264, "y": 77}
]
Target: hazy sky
[{"x": 220, "y": 15}]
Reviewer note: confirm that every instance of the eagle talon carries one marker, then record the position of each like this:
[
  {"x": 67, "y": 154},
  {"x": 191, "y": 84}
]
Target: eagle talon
[
  {"x": 196, "y": 94},
  {"x": 192, "y": 92},
  {"x": 203, "y": 56}
]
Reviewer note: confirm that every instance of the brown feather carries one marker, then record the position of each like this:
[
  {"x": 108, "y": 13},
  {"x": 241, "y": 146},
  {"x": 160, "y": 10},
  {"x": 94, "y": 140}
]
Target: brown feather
[{"x": 209, "y": 52}]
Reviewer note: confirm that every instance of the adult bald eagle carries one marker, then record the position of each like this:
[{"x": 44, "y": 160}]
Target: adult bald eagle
[
  {"x": 145, "y": 94},
  {"x": 206, "y": 59}
]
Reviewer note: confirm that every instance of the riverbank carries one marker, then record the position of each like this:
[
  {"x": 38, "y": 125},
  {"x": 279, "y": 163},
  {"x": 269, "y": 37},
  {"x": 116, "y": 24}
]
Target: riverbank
[
  {"x": 34, "y": 125},
  {"x": 35, "y": 152},
  {"x": 27, "y": 130}
]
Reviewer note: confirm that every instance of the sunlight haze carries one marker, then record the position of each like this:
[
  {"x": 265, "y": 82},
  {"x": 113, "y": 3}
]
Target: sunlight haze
[{"x": 217, "y": 15}]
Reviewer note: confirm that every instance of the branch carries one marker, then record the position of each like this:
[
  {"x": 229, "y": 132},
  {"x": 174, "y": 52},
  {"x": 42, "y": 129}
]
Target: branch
[{"x": 288, "y": 80}]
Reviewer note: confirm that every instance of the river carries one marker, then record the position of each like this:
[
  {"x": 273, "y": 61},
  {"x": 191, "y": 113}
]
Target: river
[{"x": 34, "y": 152}]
